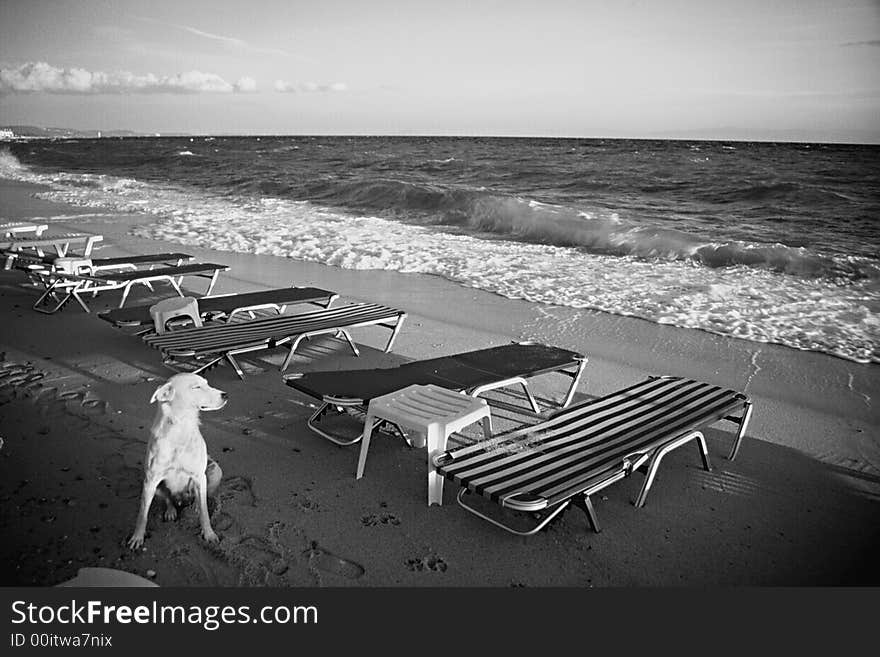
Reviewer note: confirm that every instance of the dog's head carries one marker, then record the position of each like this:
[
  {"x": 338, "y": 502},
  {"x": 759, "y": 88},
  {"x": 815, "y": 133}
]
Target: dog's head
[{"x": 189, "y": 392}]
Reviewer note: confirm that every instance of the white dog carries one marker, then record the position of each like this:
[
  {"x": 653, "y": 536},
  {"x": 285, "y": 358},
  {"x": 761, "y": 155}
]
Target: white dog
[{"x": 177, "y": 467}]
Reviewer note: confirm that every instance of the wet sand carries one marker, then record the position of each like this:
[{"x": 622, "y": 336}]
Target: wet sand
[{"x": 797, "y": 507}]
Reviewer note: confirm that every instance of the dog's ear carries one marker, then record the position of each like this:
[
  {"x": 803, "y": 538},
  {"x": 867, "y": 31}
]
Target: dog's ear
[{"x": 163, "y": 393}]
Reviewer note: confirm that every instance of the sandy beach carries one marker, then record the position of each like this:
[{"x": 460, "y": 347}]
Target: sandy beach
[{"x": 799, "y": 505}]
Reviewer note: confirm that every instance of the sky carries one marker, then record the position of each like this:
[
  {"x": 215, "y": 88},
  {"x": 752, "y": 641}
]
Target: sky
[{"x": 789, "y": 70}]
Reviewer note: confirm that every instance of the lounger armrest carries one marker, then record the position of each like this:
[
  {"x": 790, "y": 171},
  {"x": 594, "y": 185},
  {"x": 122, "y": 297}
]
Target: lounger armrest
[
  {"x": 343, "y": 401},
  {"x": 524, "y": 501}
]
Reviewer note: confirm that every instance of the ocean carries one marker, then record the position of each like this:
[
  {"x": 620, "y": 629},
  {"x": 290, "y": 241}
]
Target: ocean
[{"x": 768, "y": 242}]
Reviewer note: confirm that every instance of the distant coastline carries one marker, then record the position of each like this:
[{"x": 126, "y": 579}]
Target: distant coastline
[{"x": 37, "y": 132}]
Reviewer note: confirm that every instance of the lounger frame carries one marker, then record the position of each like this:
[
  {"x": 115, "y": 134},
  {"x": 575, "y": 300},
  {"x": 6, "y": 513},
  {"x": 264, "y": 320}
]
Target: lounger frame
[{"x": 648, "y": 456}]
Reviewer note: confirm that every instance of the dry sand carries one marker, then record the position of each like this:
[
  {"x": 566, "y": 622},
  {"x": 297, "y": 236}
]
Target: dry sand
[{"x": 799, "y": 506}]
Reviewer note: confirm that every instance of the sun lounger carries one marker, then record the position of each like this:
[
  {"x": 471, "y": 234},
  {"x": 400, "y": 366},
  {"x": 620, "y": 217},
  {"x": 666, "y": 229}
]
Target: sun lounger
[
  {"x": 61, "y": 286},
  {"x": 149, "y": 260},
  {"x": 61, "y": 243},
  {"x": 586, "y": 447},
  {"x": 11, "y": 228},
  {"x": 28, "y": 262},
  {"x": 230, "y": 306},
  {"x": 215, "y": 342},
  {"x": 474, "y": 372}
]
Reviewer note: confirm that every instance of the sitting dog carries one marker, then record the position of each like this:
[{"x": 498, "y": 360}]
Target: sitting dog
[{"x": 177, "y": 468}]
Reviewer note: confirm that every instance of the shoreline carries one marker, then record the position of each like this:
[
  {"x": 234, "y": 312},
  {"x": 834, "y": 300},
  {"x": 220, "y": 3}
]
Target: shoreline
[{"x": 812, "y": 435}]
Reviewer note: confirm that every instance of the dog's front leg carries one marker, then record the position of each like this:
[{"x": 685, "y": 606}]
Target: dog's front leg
[
  {"x": 149, "y": 490},
  {"x": 202, "y": 484}
]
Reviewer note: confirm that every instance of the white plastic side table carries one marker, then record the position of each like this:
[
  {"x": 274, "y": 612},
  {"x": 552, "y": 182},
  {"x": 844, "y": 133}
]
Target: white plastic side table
[
  {"x": 433, "y": 410},
  {"x": 168, "y": 309}
]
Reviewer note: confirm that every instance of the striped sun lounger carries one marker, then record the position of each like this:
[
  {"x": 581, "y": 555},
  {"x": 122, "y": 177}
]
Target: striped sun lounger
[
  {"x": 580, "y": 450},
  {"x": 61, "y": 287},
  {"x": 210, "y": 344}
]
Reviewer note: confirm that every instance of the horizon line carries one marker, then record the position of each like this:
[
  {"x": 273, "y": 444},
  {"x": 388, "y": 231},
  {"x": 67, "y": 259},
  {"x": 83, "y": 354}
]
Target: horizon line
[{"x": 174, "y": 134}]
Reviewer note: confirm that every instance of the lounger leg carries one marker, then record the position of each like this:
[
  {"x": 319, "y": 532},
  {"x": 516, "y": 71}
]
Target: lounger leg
[
  {"x": 235, "y": 366},
  {"x": 436, "y": 445},
  {"x": 75, "y": 294},
  {"x": 203, "y": 368},
  {"x": 365, "y": 445},
  {"x": 293, "y": 346},
  {"x": 534, "y": 404},
  {"x": 351, "y": 343},
  {"x": 213, "y": 281},
  {"x": 516, "y": 380},
  {"x": 312, "y": 424},
  {"x": 394, "y": 333},
  {"x": 487, "y": 427},
  {"x": 743, "y": 424},
  {"x": 704, "y": 452},
  {"x": 658, "y": 456},
  {"x": 582, "y": 366},
  {"x": 585, "y": 504},
  {"x": 51, "y": 293},
  {"x": 125, "y": 292}
]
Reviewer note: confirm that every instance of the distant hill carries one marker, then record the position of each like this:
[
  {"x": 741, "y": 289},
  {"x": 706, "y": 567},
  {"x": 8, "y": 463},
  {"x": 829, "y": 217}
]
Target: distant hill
[{"x": 47, "y": 133}]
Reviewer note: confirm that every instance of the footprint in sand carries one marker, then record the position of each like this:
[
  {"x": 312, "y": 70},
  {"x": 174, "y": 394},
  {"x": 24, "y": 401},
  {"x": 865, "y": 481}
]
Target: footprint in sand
[
  {"x": 223, "y": 522},
  {"x": 331, "y": 563},
  {"x": 426, "y": 563},
  {"x": 308, "y": 505},
  {"x": 31, "y": 382},
  {"x": 256, "y": 550},
  {"x": 75, "y": 396},
  {"x": 373, "y": 520},
  {"x": 95, "y": 406},
  {"x": 25, "y": 377},
  {"x": 238, "y": 489}
]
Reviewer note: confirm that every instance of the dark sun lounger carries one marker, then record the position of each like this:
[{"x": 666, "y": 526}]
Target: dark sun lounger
[
  {"x": 229, "y": 306},
  {"x": 474, "y": 372},
  {"x": 209, "y": 345},
  {"x": 62, "y": 287},
  {"x": 582, "y": 449},
  {"x": 174, "y": 259}
]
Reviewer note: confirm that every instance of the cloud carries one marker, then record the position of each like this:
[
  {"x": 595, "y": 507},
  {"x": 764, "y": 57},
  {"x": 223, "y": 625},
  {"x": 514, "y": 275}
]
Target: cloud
[
  {"x": 308, "y": 87},
  {"x": 233, "y": 42},
  {"x": 40, "y": 77},
  {"x": 245, "y": 85}
]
